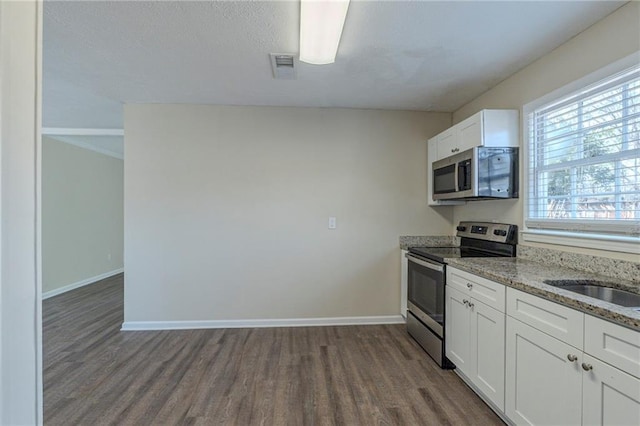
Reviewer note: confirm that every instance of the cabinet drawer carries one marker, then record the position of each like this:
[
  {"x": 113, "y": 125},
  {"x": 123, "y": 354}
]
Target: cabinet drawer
[
  {"x": 563, "y": 323},
  {"x": 612, "y": 343},
  {"x": 483, "y": 290}
]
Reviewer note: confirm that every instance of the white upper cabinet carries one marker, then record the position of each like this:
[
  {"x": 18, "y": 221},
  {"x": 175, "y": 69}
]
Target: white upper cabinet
[
  {"x": 446, "y": 140},
  {"x": 489, "y": 127}
]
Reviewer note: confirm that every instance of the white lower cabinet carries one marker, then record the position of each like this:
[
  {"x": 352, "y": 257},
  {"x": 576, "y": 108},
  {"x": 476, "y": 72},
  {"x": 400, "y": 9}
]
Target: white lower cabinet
[
  {"x": 610, "y": 396},
  {"x": 539, "y": 362},
  {"x": 542, "y": 383},
  {"x": 487, "y": 347},
  {"x": 457, "y": 341},
  {"x": 551, "y": 382},
  {"x": 475, "y": 343}
]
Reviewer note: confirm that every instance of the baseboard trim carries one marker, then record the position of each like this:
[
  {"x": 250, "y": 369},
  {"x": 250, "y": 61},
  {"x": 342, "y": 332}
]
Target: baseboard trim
[
  {"x": 260, "y": 323},
  {"x": 81, "y": 283}
]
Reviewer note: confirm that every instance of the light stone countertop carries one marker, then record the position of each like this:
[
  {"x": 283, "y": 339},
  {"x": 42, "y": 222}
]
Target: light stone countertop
[
  {"x": 408, "y": 241},
  {"x": 528, "y": 276}
]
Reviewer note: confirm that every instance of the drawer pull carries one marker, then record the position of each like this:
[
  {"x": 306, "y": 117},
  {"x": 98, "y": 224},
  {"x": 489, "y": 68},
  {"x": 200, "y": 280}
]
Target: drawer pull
[
  {"x": 572, "y": 358},
  {"x": 469, "y": 286},
  {"x": 587, "y": 367}
]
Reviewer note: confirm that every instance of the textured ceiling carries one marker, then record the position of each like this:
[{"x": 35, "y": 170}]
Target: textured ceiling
[{"x": 433, "y": 56}]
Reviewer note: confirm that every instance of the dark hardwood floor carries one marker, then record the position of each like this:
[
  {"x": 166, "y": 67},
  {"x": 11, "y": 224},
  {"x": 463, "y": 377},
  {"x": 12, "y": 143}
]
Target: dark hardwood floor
[{"x": 353, "y": 375}]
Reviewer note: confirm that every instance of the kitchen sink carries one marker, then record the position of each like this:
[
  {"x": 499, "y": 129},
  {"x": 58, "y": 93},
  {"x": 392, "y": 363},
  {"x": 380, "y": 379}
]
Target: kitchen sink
[{"x": 599, "y": 290}]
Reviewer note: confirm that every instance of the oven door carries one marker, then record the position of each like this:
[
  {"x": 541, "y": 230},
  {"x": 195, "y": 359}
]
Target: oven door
[{"x": 426, "y": 292}]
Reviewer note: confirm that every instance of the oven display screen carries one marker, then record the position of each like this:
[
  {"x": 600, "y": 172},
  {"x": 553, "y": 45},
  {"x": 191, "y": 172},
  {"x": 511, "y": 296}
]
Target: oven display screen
[{"x": 479, "y": 230}]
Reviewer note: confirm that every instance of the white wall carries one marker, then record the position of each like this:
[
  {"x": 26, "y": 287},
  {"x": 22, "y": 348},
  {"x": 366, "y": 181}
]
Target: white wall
[
  {"x": 20, "y": 372},
  {"x": 226, "y": 210},
  {"x": 610, "y": 39},
  {"x": 82, "y": 215}
]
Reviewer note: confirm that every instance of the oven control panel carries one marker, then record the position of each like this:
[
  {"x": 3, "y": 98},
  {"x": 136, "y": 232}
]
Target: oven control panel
[{"x": 488, "y": 231}]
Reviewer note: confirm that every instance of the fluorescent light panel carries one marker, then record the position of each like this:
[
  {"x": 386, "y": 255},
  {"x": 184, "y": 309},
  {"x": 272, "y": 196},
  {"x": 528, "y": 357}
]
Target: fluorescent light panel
[{"x": 321, "y": 23}]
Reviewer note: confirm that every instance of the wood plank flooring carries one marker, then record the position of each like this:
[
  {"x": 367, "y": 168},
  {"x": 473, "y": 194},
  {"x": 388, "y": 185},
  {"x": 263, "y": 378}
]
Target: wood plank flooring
[{"x": 352, "y": 375}]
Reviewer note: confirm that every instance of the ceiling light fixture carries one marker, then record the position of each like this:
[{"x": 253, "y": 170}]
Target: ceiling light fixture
[{"x": 321, "y": 23}]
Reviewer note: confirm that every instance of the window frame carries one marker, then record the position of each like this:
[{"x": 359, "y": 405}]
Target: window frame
[{"x": 574, "y": 233}]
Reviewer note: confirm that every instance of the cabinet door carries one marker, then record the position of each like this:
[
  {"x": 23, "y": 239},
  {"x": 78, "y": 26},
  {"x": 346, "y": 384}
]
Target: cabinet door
[
  {"x": 448, "y": 143},
  {"x": 487, "y": 351},
  {"x": 610, "y": 396},
  {"x": 470, "y": 132},
  {"x": 457, "y": 330},
  {"x": 543, "y": 387},
  {"x": 404, "y": 277}
]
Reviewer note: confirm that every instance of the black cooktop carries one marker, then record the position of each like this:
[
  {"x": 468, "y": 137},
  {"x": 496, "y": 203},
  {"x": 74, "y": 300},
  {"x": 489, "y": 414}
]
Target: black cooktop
[{"x": 439, "y": 254}]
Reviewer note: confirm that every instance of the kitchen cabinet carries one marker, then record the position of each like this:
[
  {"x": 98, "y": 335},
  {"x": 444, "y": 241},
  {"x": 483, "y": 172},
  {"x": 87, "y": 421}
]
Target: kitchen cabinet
[
  {"x": 539, "y": 362},
  {"x": 474, "y": 336},
  {"x": 613, "y": 344},
  {"x": 404, "y": 282},
  {"x": 542, "y": 383},
  {"x": 442, "y": 142},
  {"x": 609, "y": 395},
  {"x": 457, "y": 340},
  {"x": 565, "y": 367},
  {"x": 489, "y": 127},
  {"x": 558, "y": 321}
]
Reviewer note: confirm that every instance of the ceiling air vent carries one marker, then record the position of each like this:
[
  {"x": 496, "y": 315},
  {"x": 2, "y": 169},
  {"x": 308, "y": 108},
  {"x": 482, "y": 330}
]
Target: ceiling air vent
[{"x": 283, "y": 66}]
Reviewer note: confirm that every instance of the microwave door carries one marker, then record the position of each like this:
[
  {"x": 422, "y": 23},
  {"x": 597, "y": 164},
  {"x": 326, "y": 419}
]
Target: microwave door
[{"x": 445, "y": 180}]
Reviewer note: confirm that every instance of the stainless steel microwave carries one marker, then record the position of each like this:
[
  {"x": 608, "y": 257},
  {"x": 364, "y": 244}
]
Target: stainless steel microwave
[{"x": 478, "y": 173}]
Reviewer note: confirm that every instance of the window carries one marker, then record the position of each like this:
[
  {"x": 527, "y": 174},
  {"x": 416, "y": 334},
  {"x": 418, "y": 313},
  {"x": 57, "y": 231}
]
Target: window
[{"x": 584, "y": 159}]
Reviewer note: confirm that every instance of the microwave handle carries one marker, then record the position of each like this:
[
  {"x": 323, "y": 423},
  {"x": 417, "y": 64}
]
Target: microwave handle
[
  {"x": 421, "y": 262},
  {"x": 456, "y": 181}
]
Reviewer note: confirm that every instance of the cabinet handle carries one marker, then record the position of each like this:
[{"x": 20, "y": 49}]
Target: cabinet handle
[
  {"x": 471, "y": 305},
  {"x": 587, "y": 367},
  {"x": 455, "y": 149},
  {"x": 469, "y": 286},
  {"x": 572, "y": 358},
  {"x": 465, "y": 301}
]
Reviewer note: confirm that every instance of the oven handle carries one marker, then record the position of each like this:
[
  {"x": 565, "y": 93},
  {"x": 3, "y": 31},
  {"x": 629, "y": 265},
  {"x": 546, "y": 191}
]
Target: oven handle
[{"x": 421, "y": 262}]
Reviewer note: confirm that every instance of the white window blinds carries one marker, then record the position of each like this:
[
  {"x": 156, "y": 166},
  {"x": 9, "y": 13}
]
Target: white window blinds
[{"x": 584, "y": 159}]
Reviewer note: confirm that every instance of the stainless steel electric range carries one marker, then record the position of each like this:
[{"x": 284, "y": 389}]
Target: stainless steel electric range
[{"x": 427, "y": 279}]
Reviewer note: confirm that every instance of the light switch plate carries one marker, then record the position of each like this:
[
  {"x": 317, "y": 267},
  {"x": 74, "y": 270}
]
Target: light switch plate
[{"x": 332, "y": 222}]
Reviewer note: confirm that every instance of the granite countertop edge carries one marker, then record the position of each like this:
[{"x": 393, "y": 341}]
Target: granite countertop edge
[
  {"x": 409, "y": 241},
  {"x": 528, "y": 276}
]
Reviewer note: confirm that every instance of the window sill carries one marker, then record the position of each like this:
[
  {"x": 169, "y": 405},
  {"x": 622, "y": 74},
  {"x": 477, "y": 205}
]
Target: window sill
[{"x": 592, "y": 241}]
